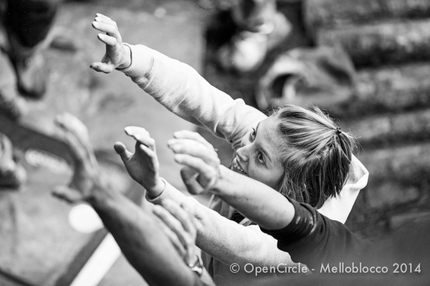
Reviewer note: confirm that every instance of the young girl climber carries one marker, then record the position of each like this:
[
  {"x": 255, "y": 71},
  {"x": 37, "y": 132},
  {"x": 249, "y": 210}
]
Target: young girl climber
[
  {"x": 300, "y": 230},
  {"x": 251, "y": 133}
]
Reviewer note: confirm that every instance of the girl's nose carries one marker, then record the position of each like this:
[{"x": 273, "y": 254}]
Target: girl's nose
[{"x": 242, "y": 153}]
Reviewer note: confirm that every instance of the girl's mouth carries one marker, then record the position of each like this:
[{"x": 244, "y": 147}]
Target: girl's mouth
[{"x": 235, "y": 166}]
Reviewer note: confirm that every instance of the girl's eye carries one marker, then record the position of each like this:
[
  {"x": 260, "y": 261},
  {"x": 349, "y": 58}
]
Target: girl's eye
[
  {"x": 252, "y": 135},
  {"x": 260, "y": 157}
]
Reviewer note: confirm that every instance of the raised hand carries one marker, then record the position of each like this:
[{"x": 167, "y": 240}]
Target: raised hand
[
  {"x": 202, "y": 165},
  {"x": 116, "y": 56},
  {"x": 142, "y": 165},
  {"x": 180, "y": 225},
  {"x": 86, "y": 173}
]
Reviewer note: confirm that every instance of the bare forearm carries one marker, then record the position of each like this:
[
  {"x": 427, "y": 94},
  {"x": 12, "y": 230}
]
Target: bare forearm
[
  {"x": 255, "y": 200},
  {"x": 141, "y": 240}
]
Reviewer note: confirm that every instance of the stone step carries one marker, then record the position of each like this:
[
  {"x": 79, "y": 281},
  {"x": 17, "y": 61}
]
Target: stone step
[
  {"x": 387, "y": 194},
  {"x": 389, "y": 89},
  {"x": 337, "y": 13},
  {"x": 389, "y": 129},
  {"x": 389, "y": 42},
  {"x": 398, "y": 179},
  {"x": 407, "y": 164}
]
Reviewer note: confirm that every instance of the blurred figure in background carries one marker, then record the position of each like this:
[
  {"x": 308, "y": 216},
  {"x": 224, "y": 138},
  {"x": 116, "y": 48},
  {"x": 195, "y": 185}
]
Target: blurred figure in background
[
  {"x": 12, "y": 105},
  {"x": 260, "y": 28},
  {"x": 25, "y": 25}
]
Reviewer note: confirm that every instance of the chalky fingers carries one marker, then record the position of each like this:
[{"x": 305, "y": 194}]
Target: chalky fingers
[
  {"x": 186, "y": 134},
  {"x": 195, "y": 149}
]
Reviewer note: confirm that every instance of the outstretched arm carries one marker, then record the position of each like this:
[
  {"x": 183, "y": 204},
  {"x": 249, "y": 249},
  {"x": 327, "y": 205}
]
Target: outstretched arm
[
  {"x": 142, "y": 241},
  {"x": 257, "y": 201},
  {"x": 253, "y": 199},
  {"x": 136, "y": 230},
  {"x": 221, "y": 238},
  {"x": 175, "y": 85}
]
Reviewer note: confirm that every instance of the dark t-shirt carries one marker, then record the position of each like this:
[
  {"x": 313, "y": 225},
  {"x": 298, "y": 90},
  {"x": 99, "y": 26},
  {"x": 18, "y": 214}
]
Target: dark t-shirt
[{"x": 314, "y": 239}]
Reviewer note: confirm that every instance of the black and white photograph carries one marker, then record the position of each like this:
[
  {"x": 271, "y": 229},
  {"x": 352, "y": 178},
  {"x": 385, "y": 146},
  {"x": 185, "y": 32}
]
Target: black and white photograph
[{"x": 214, "y": 142}]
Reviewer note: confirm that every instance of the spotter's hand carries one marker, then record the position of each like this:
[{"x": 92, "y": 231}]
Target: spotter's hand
[
  {"x": 202, "y": 165},
  {"x": 86, "y": 173},
  {"x": 180, "y": 225},
  {"x": 142, "y": 165},
  {"x": 117, "y": 55}
]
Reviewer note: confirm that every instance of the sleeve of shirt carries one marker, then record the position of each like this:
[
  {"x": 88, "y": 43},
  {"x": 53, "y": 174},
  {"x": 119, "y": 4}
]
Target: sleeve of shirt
[
  {"x": 226, "y": 240},
  {"x": 313, "y": 239},
  {"x": 183, "y": 91}
]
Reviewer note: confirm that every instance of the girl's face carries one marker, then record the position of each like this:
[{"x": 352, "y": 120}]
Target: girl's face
[{"x": 258, "y": 156}]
